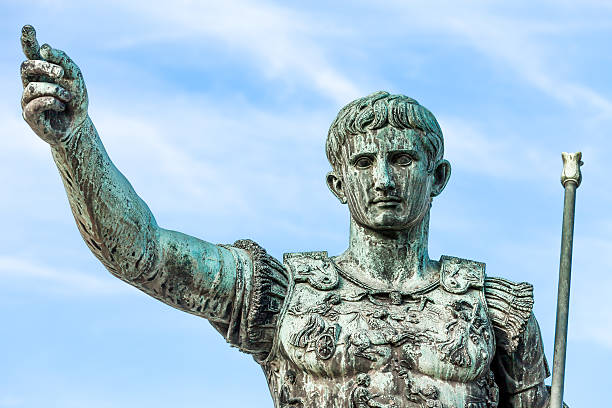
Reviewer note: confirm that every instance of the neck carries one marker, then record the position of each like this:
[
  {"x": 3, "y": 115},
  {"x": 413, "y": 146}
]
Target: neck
[{"x": 396, "y": 260}]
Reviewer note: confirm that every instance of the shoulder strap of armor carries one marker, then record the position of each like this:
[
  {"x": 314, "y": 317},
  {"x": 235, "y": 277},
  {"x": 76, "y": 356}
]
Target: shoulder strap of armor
[
  {"x": 510, "y": 305},
  {"x": 458, "y": 275},
  {"x": 315, "y": 268}
]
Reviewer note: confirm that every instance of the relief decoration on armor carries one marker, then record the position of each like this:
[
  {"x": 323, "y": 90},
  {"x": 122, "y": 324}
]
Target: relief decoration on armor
[
  {"x": 376, "y": 324},
  {"x": 458, "y": 275},
  {"x": 426, "y": 396},
  {"x": 442, "y": 332},
  {"x": 285, "y": 397},
  {"x": 362, "y": 397},
  {"x": 316, "y": 268},
  {"x": 383, "y": 328},
  {"x": 467, "y": 324},
  {"x": 317, "y": 336},
  {"x": 491, "y": 395}
]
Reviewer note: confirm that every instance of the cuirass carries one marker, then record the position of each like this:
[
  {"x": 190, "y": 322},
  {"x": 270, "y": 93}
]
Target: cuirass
[{"x": 341, "y": 344}]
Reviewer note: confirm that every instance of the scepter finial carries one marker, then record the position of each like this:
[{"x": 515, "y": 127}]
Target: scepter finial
[{"x": 571, "y": 168}]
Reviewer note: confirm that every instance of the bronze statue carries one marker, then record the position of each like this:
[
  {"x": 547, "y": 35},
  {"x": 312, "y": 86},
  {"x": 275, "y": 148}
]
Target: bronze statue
[{"x": 380, "y": 325}]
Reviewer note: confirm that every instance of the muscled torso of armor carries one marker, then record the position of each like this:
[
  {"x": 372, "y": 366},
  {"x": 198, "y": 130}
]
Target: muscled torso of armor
[{"x": 342, "y": 344}]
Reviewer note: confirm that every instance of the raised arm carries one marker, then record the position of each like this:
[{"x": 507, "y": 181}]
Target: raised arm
[{"x": 212, "y": 281}]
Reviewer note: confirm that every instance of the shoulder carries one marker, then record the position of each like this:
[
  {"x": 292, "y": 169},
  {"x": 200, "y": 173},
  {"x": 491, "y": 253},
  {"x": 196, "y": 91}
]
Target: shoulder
[
  {"x": 315, "y": 268},
  {"x": 457, "y": 275},
  {"x": 509, "y": 303},
  {"x": 269, "y": 276},
  {"x": 265, "y": 287},
  {"x": 510, "y": 306}
]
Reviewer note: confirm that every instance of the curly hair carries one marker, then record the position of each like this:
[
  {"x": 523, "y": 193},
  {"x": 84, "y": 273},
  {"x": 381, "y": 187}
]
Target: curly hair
[{"x": 378, "y": 110}]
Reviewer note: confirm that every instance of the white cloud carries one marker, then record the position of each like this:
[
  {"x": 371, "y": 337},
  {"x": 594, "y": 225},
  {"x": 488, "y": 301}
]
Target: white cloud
[
  {"x": 292, "y": 44},
  {"x": 147, "y": 147},
  {"x": 280, "y": 41},
  {"x": 503, "y": 156},
  {"x": 43, "y": 278},
  {"x": 201, "y": 156},
  {"x": 534, "y": 48}
]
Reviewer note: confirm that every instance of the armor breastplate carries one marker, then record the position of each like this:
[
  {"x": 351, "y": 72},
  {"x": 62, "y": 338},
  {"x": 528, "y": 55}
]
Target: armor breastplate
[{"x": 341, "y": 344}]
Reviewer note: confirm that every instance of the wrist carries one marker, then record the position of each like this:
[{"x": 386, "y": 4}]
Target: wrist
[{"x": 69, "y": 139}]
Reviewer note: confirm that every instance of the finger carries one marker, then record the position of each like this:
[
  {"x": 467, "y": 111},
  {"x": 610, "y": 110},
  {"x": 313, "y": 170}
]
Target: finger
[
  {"x": 60, "y": 58},
  {"x": 32, "y": 70},
  {"x": 29, "y": 43},
  {"x": 37, "y": 114},
  {"x": 39, "y": 89},
  {"x": 34, "y": 111}
]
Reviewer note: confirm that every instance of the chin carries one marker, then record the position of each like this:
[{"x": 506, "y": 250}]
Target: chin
[
  {"x": 387, "y": 223},
  {"x": 390, "y": 221}
]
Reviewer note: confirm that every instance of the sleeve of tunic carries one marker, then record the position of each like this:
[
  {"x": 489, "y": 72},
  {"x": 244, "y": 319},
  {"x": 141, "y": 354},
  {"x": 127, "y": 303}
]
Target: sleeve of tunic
[
  {"x": 238, "y": 288},
  {"x": 249, "y": 322}
]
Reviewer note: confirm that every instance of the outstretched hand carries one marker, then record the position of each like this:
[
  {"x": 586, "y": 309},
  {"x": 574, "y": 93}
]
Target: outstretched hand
[{"x": 54, "y": 100}]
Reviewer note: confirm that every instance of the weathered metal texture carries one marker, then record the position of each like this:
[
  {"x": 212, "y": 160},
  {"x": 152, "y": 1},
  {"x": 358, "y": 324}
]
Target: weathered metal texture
[
  {"x": 570, "y": 179},
  {"x": 431, "y": 346},
  {"x": 380, "y": 325}
]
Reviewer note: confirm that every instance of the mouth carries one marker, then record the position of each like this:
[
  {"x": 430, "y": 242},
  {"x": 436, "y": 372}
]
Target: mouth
[{"x": 389, "y": 200}]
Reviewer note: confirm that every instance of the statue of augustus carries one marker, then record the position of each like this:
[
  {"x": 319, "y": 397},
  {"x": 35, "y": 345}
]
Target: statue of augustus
[{"x": 380, "y": 325}]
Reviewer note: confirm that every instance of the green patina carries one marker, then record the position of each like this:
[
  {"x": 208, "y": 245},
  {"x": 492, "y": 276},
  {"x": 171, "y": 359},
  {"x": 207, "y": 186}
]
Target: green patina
[{"x": 380, "y": 325}]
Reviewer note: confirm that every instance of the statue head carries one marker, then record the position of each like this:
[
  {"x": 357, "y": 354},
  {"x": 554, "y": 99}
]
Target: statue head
[{"x": 386, "y": 152}]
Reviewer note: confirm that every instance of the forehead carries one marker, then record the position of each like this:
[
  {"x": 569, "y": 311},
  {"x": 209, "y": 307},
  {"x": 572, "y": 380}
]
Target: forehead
[{"x": 381, "y": 140}]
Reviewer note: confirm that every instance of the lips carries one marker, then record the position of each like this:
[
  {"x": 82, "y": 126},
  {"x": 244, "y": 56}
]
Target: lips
[{"x": 389, "y": 199}]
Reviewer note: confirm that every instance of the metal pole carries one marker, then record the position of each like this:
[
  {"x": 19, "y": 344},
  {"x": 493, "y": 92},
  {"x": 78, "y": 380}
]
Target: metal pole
[{"x": 570, "y": 179}]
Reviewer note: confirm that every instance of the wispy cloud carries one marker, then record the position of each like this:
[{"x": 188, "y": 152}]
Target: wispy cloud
[
  {"x": 151, "y": 154},
  {"x": 534, "y": 48},
  {"x": 211, "y": 160},
  {"x": 502, "y": 157},
  {"x": 516, "y": 44},
  {"x": 43, "y": 278},
  {"x": 279, "y": 40}
]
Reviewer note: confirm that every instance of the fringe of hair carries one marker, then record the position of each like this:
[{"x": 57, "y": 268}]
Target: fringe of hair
[{"x": 378, "y": 110}]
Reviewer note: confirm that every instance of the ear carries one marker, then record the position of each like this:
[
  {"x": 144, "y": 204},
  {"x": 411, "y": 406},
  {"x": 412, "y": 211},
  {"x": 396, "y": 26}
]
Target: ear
[
  {"x": 336, "y": 185},
  {"x": 441, "y": 175}
]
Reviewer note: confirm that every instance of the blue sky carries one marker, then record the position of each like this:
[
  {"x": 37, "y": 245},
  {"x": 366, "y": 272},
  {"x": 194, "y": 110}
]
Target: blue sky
[{"x": 217, "y": 113}]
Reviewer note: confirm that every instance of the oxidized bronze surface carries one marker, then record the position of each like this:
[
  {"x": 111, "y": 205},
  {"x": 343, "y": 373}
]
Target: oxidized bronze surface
[{"x": 380, "y": 325}]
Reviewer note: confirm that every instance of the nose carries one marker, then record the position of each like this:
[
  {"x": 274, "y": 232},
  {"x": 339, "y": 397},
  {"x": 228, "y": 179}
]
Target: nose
[{"x": 383, "y": 178}]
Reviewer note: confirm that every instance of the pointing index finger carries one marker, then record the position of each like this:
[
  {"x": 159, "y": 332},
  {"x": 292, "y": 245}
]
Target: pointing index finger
[{"x": 29, "y": 43}]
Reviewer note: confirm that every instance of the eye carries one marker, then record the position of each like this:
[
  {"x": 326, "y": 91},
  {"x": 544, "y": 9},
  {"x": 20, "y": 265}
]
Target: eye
[
  {"x": 402, "y": 160},
  {"x": 363, "y": 162}
]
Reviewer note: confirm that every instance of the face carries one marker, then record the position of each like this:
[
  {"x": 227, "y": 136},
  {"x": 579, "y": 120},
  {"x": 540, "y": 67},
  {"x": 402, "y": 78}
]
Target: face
[{"x": 385, "y": 179}]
